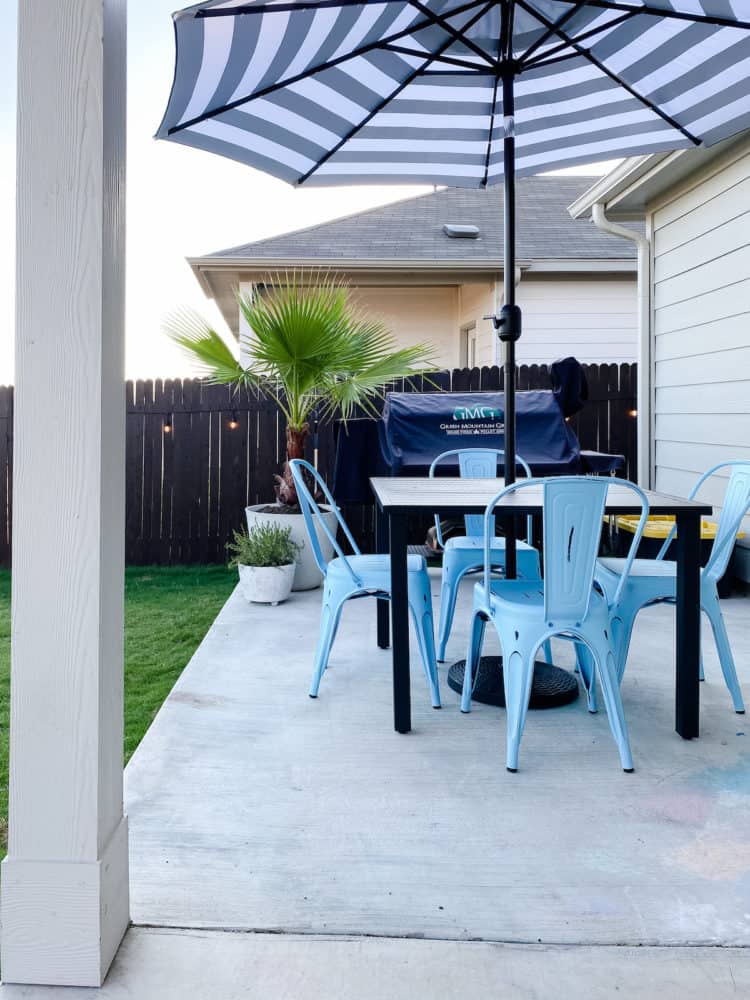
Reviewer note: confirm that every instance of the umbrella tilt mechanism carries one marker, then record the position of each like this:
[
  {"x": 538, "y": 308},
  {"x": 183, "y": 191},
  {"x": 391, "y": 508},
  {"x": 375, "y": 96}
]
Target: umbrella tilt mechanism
[{"x": 508, "y": 322}]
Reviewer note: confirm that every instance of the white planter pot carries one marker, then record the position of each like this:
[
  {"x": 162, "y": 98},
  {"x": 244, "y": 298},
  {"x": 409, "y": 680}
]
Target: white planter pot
[
  {"x": 266, "y": 584},
  {"x": 307, "y": 575}
]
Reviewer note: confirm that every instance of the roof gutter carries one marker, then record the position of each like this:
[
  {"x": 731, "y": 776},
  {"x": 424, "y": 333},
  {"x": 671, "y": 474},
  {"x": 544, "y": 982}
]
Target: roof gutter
[
  {"x": 643, "y": 395},
  {"x": 625, "y": 177},
  {"x": 201, "y": 265}
]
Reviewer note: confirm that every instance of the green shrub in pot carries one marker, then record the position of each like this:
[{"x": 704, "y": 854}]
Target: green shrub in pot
[{"x": 265, "y": 558}]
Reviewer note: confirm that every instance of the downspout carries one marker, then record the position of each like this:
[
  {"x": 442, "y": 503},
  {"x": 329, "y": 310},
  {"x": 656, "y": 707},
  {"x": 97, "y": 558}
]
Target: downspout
[{"x": 643, "y": 393}]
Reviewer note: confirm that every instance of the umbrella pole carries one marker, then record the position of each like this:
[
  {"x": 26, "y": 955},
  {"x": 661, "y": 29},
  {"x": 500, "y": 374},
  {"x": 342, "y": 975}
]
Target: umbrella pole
[{"x": 509, "y": 323}]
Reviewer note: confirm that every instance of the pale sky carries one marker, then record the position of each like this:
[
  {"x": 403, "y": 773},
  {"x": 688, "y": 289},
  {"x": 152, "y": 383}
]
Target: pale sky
[{"x": 181, "y": 202}]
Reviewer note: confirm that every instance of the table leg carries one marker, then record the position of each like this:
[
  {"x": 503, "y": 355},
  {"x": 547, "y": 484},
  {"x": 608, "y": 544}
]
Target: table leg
[
  {"x": 400, "y": 624},
  {"x": 688, "y": 622},
  {"x": 381, "y": 545}
]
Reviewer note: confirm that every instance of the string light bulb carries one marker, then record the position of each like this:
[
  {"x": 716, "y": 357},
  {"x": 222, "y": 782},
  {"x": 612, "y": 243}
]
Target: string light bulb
[
  {"x": 168, "y": 425},
  {"x": 233, "y": 421},
  {"x": 632, "y": 413}
]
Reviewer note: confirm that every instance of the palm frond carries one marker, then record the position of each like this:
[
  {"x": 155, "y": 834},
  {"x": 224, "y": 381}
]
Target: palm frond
[
  {"x": 309, "y": 348},
  {"x": 209, "y": 351}
]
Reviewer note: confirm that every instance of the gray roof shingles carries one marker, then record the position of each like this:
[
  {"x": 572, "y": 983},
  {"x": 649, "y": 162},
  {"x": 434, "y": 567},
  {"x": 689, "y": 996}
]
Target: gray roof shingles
[{"x": 412, "y": 230}]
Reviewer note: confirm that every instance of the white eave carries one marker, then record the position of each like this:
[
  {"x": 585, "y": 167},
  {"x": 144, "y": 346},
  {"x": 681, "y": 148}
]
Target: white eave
[
  {"x": 203, "y": 265},
  {"x": 640, "y": 181},
  {"x": 219, "y": 277}
]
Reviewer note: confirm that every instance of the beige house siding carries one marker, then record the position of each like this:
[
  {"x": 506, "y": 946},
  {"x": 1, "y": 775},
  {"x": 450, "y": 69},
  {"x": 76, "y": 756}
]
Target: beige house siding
[{"x": 701, "y": 326}]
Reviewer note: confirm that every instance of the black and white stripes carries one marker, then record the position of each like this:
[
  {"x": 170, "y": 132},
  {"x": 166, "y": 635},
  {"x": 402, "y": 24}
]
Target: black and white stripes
[{"x": 341, "y": 92}]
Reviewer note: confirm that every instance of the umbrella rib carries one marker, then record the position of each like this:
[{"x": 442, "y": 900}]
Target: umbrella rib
[
  {"x": 387, "y": 100},
  {"x": 551, "y": 60},
  {"x": 590, "y": 57},
  {"x": 305, "y": 74},
  {"x": 450, "y": 60},
  {"x": 540, "y": 60},
  {"x": 717, "y": 21},
  {"x": 550, "y": 32},
  {"x": 441, "y": 21},
  {"x": 489, "y": 137}
]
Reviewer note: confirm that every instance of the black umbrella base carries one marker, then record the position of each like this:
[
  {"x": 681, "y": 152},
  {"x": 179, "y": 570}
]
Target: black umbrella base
[{"x": 552, "y": 686}]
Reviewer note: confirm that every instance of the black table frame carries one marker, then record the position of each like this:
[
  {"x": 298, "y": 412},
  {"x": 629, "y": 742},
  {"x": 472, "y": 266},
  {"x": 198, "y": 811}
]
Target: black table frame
[{"x": 391, "y": 536}]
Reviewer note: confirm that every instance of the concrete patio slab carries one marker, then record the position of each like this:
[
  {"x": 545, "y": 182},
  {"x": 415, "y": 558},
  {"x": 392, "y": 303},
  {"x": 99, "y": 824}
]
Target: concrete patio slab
[
  {"x": 199, "y": 965},
  {"x": 252, "y": 807}
]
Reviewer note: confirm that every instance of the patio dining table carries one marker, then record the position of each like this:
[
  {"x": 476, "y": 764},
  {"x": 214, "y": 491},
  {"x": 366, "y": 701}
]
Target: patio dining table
[{"x": 398, "y": 498}]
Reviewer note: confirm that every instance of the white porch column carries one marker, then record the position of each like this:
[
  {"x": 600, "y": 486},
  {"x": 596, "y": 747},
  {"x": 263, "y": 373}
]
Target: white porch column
[{"x": 65, "y": 880}]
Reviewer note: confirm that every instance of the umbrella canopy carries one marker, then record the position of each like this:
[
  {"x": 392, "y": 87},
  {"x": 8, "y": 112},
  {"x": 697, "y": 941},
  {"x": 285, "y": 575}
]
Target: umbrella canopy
[
  {"x": 342, "y": 92},
  {"x": 456, "y": 93}
]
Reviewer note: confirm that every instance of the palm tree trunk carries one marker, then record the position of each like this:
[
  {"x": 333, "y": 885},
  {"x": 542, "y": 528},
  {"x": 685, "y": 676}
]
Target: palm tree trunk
[{"x": 295, "y": 448}]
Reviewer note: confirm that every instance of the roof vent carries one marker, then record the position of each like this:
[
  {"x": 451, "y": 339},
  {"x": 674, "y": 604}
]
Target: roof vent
[{"x": 456, "y": 232}]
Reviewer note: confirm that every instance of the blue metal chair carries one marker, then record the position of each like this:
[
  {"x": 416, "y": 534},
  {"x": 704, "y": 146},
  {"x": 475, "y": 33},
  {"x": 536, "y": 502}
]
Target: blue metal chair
[
  {"x": 357, "y": 575},
  {"x": 463, "y": 554},
  {"x": 653, "y": 581},
  {"x": 565, "y": 604}
]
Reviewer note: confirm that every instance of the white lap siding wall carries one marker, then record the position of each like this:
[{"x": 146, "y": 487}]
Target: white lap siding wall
[
  {"x": 701, "y": 329},
  {"x": 592, "y": 318}
]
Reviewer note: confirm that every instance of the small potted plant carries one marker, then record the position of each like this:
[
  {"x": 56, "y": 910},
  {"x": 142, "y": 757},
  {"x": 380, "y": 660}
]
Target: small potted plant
[{"x": 266, "y": 559}]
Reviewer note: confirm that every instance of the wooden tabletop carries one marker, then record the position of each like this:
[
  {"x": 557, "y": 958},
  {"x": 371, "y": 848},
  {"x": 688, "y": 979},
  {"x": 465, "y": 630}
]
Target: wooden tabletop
[{"x": 452, "y": 495}]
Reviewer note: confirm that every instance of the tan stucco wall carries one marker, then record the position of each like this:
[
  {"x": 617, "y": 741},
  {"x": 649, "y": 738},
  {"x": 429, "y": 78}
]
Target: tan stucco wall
[
  {"x": 475, "y": 302},
  {"x": 421, "y": 314}
]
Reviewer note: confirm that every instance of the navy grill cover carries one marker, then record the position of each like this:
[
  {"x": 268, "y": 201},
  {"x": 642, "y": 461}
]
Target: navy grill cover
[{"x": 416, "y": 427}]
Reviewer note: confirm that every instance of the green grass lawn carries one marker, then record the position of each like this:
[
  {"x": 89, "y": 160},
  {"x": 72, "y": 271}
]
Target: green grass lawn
[{"x": 168, "y": 610}]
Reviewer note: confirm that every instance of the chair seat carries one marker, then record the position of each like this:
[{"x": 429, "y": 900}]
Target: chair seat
[
  {"x": 650, "y": 579},
  {"x": 374, "y": 570},
  {"x": 641, "y": 567},
  {"x": 521, "y": 592},
  {"x": 476, "y": 543},
  {"x": 525, "y": 599}
]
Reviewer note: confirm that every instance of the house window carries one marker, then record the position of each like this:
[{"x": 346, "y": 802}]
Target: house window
[{"x": 468, "y": 346}]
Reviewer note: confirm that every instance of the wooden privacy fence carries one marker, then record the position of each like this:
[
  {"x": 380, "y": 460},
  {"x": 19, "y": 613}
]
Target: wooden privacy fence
[{"x": 197, "y": 455}]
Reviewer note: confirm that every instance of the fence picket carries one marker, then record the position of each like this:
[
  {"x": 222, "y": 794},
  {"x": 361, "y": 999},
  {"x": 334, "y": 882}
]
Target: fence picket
[{"x": 187, "y": 485}]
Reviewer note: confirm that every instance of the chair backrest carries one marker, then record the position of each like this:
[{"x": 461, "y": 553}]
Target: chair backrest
[
  {"x": 734, "y": 508},
  {"x": 573, "y": 515},
  {"x": 314, "y": 520},
  {"x": 476, "y": 463}
]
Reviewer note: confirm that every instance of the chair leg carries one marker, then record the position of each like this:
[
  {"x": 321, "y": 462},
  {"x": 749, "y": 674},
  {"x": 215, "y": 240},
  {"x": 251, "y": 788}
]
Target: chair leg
[
  {"x": 330, "y": 616},
  {"x": 473, "y": 653},
  {"x": 547, "y": 650},
  {"x": 622, "y": 631},
  {"x": 424, "y": 627},
  {"x": 713, "y": 610},
  {"x": 518, "y": 676},
  {"x": 610, "y": 682},
  {"x": 448, "y": 595},
  {"x": 587, "y": 669}
]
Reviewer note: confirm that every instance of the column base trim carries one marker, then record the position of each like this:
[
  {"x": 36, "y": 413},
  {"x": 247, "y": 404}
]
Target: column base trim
[{"x": 62, "y": 922}]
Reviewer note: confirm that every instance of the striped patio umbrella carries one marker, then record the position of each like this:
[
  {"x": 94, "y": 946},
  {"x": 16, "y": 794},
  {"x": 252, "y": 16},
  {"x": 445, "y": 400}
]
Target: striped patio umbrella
[{"x": 456, "y": 92}]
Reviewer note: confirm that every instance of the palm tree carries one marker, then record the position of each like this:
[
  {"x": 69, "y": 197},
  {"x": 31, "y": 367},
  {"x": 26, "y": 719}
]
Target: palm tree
[{"x": 309, "y": 349}]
